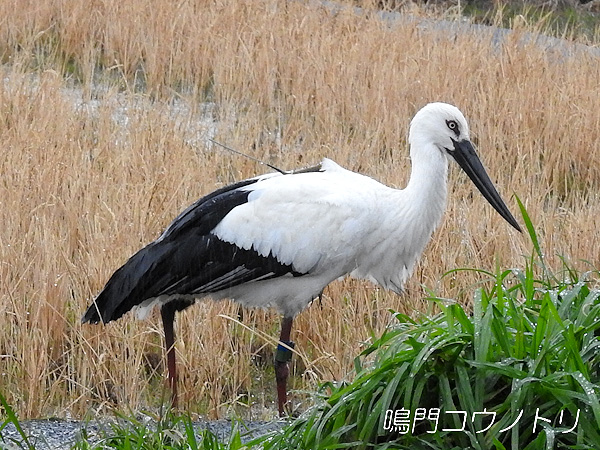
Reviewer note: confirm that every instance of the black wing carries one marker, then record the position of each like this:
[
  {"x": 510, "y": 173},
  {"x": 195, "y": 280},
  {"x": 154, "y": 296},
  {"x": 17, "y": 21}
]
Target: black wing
[{"x": 186, "y": 260}]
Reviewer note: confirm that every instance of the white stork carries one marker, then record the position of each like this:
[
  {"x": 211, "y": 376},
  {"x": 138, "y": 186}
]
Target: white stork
[{"x": 277, "y": 240}]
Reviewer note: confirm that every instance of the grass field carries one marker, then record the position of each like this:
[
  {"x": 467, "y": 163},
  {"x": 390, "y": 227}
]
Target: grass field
[{"x": 86, "y": 183}]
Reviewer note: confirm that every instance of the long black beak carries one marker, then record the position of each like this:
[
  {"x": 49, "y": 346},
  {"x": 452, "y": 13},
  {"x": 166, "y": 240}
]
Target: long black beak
[{"x": 466, "y": 157}]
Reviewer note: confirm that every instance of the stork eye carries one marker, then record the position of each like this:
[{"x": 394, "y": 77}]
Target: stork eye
[{"x": 453, "y": 125}]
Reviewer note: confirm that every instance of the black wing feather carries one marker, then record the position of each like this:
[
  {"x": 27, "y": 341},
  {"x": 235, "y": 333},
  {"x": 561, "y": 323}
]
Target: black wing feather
[{"x": 186, "y": 260}]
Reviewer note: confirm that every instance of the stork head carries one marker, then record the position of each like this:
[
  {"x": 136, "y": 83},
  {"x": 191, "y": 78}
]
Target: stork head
[
  {"x": 443, "y": 127},
  {"x": 439, "y": 124}
]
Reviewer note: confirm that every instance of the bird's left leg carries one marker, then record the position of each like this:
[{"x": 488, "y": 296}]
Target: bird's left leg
[
  {"x": 282, "y": 357},
  {"x": 167, "y": 313}
]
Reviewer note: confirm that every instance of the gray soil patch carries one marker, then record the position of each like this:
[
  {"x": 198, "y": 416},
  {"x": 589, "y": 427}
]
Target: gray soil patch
[{"x": 62, "y": 434}]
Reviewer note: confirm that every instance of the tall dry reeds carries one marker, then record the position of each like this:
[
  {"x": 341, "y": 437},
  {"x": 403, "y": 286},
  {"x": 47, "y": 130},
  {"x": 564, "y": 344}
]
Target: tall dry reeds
[{"x": 99, "y": 106}]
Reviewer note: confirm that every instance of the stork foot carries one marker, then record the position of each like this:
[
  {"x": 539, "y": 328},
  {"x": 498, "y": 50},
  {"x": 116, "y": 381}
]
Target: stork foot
[{"x": 282, "y": 357}]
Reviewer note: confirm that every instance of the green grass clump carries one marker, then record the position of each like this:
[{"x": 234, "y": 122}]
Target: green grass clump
[
  {"x": 170, "y": 432},
  {"x": 7, "y": 416},
  {"x": 530, "y": 347}
]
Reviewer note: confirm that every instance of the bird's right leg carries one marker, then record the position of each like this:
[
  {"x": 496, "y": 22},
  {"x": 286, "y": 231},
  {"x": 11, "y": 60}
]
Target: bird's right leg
[
  {"x": 282, "y": 357},
  {"x": 167, "y": 313}
]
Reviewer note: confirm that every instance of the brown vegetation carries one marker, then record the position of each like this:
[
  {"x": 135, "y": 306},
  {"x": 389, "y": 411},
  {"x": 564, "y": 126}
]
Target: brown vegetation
[{"x": 86, "y": 183}]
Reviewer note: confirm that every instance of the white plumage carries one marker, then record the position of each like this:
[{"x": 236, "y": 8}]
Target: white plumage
[
  {"x": 277, "y": 240},
  {"x": 326, "y": 224}
]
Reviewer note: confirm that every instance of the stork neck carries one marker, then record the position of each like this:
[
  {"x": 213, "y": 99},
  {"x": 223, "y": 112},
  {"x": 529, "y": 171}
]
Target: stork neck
[{"x": 427, "y": 186}]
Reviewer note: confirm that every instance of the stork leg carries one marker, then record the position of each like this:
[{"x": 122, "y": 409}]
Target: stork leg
[
  {"x": 167, "y": 313},
  {"x": 282, "y": 357}
]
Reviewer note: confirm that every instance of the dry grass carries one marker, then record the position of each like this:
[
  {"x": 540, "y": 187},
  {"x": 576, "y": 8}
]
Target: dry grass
[{"x": 85, "y": 184}]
